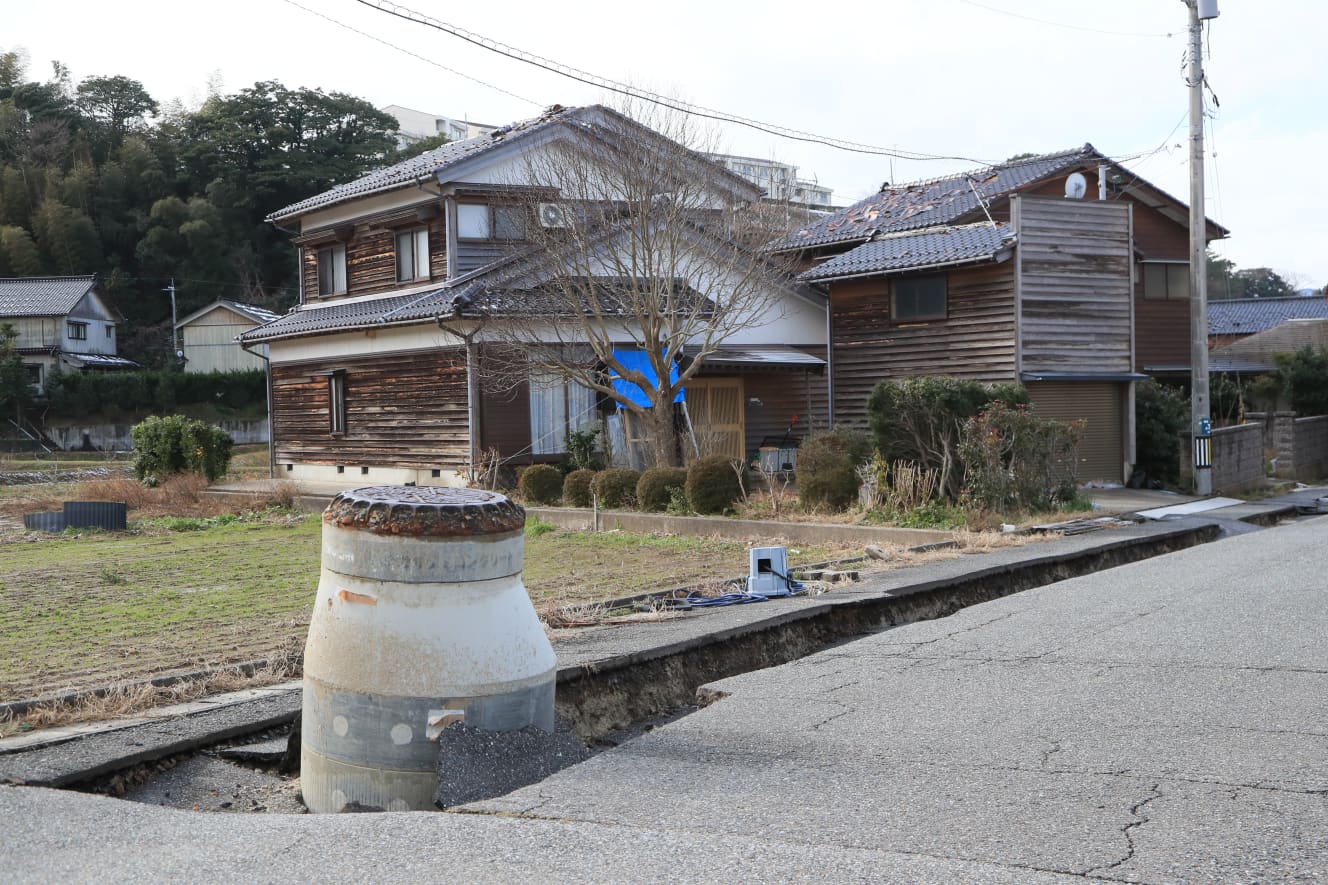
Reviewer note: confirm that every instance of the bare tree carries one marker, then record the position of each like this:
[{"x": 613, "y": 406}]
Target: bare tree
[{"x": 635, "y": 243}]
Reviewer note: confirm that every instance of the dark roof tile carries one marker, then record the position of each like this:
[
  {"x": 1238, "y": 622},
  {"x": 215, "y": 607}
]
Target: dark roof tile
[
  {"x": 1245, "y": 316},
  {"x": 42, "y": 296},
  {"x": 929, "y": 248}
]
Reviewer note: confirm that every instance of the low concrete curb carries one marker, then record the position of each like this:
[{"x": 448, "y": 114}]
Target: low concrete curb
[{"x": 609, "y": 677}]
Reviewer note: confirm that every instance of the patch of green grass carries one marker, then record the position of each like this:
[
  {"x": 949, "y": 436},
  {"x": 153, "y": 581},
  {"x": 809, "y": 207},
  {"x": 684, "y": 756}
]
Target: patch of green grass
[{"x": 535, "y": 528}]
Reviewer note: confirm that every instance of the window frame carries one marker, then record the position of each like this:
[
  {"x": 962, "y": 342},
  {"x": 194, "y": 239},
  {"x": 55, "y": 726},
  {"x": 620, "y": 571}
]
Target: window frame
[
  {"x": 894, "y": 295},
  {"x": 492, "y": 225},
  {"x": 552, "y": 393},
  {"x": 417, "y": 239},
  {"x": 76, "y": 330},
  {"x": 336, "y": 265},
  {"x": 336, "y": 402},
  {"x": 1147, "y": 292}
]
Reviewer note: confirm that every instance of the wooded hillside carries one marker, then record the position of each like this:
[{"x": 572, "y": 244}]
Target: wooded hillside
[{"x": 98, "y": 177}]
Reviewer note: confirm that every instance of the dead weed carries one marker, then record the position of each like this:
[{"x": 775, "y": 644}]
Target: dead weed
[{"x": 131, "y": 698}]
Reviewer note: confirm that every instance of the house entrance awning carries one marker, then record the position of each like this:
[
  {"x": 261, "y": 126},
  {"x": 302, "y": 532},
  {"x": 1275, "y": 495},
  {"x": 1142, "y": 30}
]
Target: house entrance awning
[{"x": 758, "y": 358}]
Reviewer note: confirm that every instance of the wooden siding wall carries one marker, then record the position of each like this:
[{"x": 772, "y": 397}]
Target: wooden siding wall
[
  {"x": 371, "y": 259},
  {"x": 402, "y": 410},
  {"x": 976, "y": 341},
  {"x": 210, "y": 345},
  {"x": 1162, "y": 328},
  {"x": 783, "y": 395},
  {"x": 1075, "y": 261},
  {"x": 474, "y": 254}
]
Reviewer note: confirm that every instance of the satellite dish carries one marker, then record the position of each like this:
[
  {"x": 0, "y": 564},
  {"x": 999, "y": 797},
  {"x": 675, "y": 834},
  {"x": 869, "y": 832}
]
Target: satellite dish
[{"x": 1076, "y": 186}]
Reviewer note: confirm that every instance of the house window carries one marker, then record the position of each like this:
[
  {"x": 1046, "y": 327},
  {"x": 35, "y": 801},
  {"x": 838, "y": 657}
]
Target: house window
[
  {"x": 110, "y": 331},
  {"x": 77, "y": 331},
  {"x": 557, "y": 406},
  {"x": 1166, "y": 280},
  {"x": 482, "y": 222},
  {"x": 331, "y": 270},
  {"x": 413, "y": 255},
  {"x": 336, "y": 402},
  {"x": 34, "y": 371},
  {"x": 914, "y": 299}
]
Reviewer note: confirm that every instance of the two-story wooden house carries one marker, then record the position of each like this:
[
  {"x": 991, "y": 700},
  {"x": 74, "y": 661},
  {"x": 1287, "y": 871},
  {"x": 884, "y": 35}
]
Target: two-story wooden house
[
  {"x": 1065, "y": 272},
  {"x": 63, "y": 324},
  {"x": 410, "y": 273}
]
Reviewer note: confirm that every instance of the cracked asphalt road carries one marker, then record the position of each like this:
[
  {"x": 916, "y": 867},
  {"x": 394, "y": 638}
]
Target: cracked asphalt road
[{"x": 1161, "y": 722}]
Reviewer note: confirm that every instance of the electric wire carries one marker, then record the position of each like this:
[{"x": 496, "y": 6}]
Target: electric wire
[
  {"x": 1066, "y": 25},
  {"x": 414, "y": 55}
]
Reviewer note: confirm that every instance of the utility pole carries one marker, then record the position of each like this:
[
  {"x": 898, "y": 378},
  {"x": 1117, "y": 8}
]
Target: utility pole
[
  {"x": 176, "y": 353},
  {"x": 1200, "y": 408}
]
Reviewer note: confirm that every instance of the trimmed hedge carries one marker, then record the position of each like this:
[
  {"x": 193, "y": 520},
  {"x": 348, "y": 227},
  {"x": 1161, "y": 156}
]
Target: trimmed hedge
[
  {"x": 73, "y": 394},
  {"x": 540, "y": 484},
  {"x": 576, "y": 488},
  {"x": 175, "y": 444},
  {"x": 654, "y": 490},
  {"x": 828, "y": 468},
  {"x": 714, "y": 484},
  {"x": 616, "y": 487}
]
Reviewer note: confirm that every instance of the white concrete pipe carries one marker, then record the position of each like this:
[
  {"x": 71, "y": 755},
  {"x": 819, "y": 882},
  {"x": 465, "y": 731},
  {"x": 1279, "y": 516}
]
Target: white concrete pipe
[{"x": 421, "y": 620}]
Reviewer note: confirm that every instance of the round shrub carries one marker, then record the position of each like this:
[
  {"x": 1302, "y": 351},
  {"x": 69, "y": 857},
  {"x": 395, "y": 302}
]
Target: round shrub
[
  {"x": 576, "y": 488},
  {"x": 828, "y": 469},
  {"x": 165, "y": 446},
  {"x": 540, "y": 484},
  {"x": 616, "y": 487},
  {"x": 655, "y": 488},
  {"x": 713, "y": 484}
]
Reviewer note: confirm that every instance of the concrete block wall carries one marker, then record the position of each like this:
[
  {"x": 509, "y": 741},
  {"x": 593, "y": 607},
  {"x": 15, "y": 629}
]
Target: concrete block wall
[
  {"x": 1238, "y": 461},
  {"x": 1311, "y": 453}
]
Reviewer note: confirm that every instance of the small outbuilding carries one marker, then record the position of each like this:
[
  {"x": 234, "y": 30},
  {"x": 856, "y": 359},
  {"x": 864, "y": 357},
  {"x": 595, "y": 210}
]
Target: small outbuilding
[{"x": 208, "y": 336}]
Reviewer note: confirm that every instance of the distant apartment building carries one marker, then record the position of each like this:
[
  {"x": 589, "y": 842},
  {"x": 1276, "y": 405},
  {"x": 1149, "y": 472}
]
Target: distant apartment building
[
  {"x": 416, "y": 126},
  {"x": 780, "y": 180}
]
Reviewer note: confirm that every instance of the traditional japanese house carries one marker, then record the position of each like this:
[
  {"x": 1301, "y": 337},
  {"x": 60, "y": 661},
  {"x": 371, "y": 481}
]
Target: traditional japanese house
[
  {"x": 411, "y": 274},
  {"x": 1011, "y": 273}
]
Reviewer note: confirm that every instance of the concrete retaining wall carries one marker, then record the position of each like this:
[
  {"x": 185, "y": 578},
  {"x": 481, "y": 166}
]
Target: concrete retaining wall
[
  {"x": 115, "y": 437},
  {"x": 736, "y": 529}
]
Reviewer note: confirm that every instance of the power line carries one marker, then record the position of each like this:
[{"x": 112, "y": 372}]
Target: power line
[
  {"x": 512, "y": 52},
  {"x": 1056, "y": 24},
  {"x": 415, "y": 55}
]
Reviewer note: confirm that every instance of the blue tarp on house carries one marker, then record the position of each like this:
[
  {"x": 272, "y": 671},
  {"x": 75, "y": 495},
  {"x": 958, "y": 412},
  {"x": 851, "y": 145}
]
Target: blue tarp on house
[{"x": 639, "y": 360}]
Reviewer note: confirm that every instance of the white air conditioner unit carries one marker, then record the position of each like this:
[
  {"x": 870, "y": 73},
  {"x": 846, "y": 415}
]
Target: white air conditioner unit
[{"x": 553, "y": 215}]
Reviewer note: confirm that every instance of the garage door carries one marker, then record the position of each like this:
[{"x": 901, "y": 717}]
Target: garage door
[{"x": 1100, "y": 405}]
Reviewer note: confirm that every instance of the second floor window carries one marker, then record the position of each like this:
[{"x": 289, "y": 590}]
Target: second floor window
[
  {"x": 78, "y": 331},
  {"x": 1166, "y": 281},
  {"x": 915, "y": 299},
  {"x": 413, "y": 255},
  {"x": 476, "y": 221},
  {"x": 331, "y": 270}
]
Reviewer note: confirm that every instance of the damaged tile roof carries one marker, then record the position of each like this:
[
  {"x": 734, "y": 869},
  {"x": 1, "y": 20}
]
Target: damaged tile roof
[
  {"x": 42, "y": 296},
  {"x": 929, "y": 203},
  {"x": 478, "y": 296},
  {"x": 1245, "y": 316},
  {"x": 429, "y": 163},
  {"x": 910, "y": 251}
]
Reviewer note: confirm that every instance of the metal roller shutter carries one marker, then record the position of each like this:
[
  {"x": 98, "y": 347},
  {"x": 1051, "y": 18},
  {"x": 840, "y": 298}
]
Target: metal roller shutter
[{"x": 1100, "y": 404}]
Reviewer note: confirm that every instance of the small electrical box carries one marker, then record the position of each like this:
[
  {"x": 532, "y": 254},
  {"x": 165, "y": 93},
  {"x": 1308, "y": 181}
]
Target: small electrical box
[{"x": 767, "y": 573}]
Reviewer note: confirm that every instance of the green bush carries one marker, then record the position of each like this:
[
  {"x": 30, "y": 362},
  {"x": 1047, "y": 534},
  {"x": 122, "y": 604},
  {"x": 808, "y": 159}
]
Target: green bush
[
  {"x": 582, "y": 453},
  {"x": 1160, "y": 414},
  {"x": 922, "y": 419},
  {"x": 74, "y": 394},
  {"x": 655, "y": 488},
  {"x": 576, "y": 488},
  {"x": 175, "y": 444},
  {"x": 714, "y": 484},
  {"x": 616, "y": 487},
  {"x": 540, "y": 484},
  {"x": 1304, "y": 377},
  {"x": 828, "y": 468},
  {"x": 1016, "y": 461}
]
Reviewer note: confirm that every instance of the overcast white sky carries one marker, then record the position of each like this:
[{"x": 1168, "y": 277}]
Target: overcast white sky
[{"x": 955, "y": 77}]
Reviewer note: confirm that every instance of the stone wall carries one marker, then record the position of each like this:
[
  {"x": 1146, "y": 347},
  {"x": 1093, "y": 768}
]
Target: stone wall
[
  {"x": 1238, "y": 461},
  {"x": 1301, "y": 445}
]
